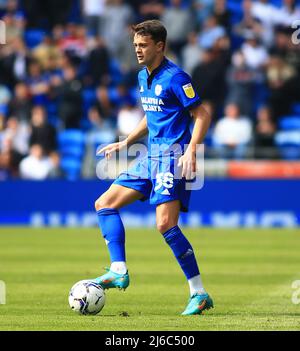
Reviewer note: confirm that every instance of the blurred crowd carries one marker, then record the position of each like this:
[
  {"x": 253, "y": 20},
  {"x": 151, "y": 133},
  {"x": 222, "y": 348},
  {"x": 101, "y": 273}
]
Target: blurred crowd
[{"x": 68, "y": 77}]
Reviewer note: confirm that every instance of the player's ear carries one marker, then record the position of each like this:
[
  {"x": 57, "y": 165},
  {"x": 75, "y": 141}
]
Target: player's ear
[{"x": 160, "y": 45}]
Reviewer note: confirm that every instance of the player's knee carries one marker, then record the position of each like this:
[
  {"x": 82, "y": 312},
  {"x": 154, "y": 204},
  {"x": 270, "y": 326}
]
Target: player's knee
[
  {"x": 102, "y": 203},
  {"x": 164, "y": 224}
]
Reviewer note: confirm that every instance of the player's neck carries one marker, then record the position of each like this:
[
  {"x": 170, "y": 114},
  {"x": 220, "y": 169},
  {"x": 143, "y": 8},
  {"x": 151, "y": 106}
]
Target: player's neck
[{"x": 155, "y": 64}]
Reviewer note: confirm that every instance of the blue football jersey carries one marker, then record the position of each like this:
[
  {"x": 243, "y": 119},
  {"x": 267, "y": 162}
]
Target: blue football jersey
[{"x": 167, "y": 95}]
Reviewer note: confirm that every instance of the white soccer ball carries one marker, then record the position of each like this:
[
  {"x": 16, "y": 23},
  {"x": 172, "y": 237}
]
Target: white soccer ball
[{"x": 86, "y": 297}]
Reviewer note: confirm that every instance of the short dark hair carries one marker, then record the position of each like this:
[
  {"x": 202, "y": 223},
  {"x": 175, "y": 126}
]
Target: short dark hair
[{"x": 153, "y": 28}]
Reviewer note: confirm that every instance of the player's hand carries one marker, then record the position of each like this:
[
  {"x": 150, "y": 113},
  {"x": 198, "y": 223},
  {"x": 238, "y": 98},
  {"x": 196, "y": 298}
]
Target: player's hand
[
  {"x": 109, "y": 149},
  {"x": 188, "y": 164}
]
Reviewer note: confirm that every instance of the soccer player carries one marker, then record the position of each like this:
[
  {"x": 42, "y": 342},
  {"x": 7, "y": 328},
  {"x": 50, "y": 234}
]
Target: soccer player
[{"x": 170, "y": 103}]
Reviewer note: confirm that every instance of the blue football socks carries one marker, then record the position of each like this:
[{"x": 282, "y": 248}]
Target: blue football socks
[
  {"x": 183, "y": 251},
  {"x": 112, "y": 229}
]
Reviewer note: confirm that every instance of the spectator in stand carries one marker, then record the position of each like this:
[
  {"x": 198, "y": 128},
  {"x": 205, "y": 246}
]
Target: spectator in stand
[
  {"x": 103, "y": 102},
  {"x": 42, "y": 132},
  {"x": 9, "y": 159},
  {"x": 222, "y": 50},
  {"x": 209, "y": 77},
  {"x": 101, "y": 132},
  {"x": 102, "y": 128},
  {"x": 178, "y": 22},
  {"x": 47, "y": 53},
  {"x": 58, "y": 33},
  {"x": 70, "y": 99},
  {"x": 191, "y": 53},
  {"x": 128, "y": 118},
  {"x": 117, "y": 16},
  {"x": 232, "y": 134},
  {"x": 20, "y": 105},
  {"x": 37, "y": 166},
  {"x": 73, "y": 43},
  {"x": 264, "y": 132},
  {"x": 211, "y": 32},
  {"x": 283, "y": 83},
  {"x": 38, "y": 83},
  {"x": 15, "y": 137},
  {"x": 150, "y": 9},
  {"x": 111, "y": 99},
  {"x": 249, "y": 23},
  {"x": 93, "y": 11},
  {"x": 266, "y": 13},
  {"x": 240, "y": 84},
  {"x": 12, "y": 8},
  {"x": 5, "y": 95},
  {"x": 14, "y": 62},
  {"x": 14, "y": 145},
  {"x": 222, "y": 14},
  {"x": 203, "y": 10},
  {"x": 47, "y": 13},
  {"x": 14, "y": 26},
  {"x": 288, "y": 13},
  {"x": 284, "y": 48},
  {"x": 280, "y": 45},
  {"x": 255, "y": 54},
  {"x": 98, "y": 63}
]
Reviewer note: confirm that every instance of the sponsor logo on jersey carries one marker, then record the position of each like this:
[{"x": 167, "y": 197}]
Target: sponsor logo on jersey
[
  {"x": 189, "y": 90},
  {"x": 152, "y": 104},
  {"x": 158, "y": 89}
]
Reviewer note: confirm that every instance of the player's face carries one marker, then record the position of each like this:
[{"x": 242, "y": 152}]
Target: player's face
[{"x": 146, "y": 49}]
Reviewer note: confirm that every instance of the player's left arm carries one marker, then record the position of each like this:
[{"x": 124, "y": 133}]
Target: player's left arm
[{"x": 202, "y": 122}]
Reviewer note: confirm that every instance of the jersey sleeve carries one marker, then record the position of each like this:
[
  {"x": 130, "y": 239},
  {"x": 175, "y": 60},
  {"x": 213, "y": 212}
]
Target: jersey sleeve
[{"x": 182, "y": 87}]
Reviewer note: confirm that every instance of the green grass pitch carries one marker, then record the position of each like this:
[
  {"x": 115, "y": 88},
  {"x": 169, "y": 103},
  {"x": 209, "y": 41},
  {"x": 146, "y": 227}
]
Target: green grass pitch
[{"x": 249, "y": 274}]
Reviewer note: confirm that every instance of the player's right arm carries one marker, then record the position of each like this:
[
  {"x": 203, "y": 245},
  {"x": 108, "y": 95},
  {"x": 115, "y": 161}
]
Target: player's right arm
[{"x": 140, "y": 131}]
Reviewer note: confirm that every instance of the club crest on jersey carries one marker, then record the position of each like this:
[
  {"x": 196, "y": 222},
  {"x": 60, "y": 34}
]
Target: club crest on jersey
[
  {"x": 189, "y": 90},
  {"x": 158, "y": 89}
]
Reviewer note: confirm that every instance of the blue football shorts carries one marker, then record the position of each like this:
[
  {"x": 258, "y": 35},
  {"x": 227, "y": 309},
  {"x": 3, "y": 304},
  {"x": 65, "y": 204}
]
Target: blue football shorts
[{"x": 158, "y": 179}]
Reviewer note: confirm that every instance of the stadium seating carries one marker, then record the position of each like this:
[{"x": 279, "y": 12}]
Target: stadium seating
[
  {"x": 89, "y": 99},
  {"x": 115, "y": 71},
  {"x": 289, "y": 123},
  {"x": 71, "y": 167},
  {"x": 296, "y": 108},
  {"x": 3, "y": 109},
  {"x": 33, "y": 37},
  {"x": 70, "y": 137},
  {"x": 288, "y": 143},
  {"x": 71, "y": 148},
  {"x": 235, "y": 8}
]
